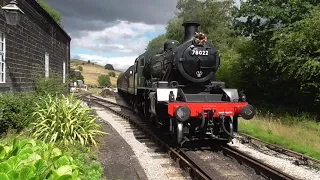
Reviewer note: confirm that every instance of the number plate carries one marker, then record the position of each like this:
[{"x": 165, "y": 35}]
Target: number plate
[{"x": 196, "y": 52}]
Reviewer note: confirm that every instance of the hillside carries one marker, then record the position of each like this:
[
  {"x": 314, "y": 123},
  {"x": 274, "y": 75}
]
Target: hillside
[{"x": 92, "y": 72}]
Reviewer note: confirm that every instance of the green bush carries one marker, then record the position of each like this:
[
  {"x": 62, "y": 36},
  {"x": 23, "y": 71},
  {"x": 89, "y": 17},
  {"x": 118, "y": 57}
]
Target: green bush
[
  {"x": 84, "y": 158},
  {"x": 15, "y": 110},
  {"x": 61, "y": 119},
  {"x": 112, "y": 74},
  {"x": 51, "y": 85},
  {"x": 80, "y": 68},
  {"x": 16, "y": 107},
  {"x": 104, "y": 80},
  {"x": 26, "y": 158}
]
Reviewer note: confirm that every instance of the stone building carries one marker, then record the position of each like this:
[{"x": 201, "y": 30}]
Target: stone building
[{"x": 37, "y": 44}]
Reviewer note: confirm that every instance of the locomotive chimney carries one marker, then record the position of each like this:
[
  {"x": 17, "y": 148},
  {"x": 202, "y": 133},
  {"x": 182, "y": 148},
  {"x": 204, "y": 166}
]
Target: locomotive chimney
[{"x": 190, "y": 27}]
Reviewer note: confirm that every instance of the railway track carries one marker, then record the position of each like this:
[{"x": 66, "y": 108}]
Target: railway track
[{"x": 189, "y": 161}]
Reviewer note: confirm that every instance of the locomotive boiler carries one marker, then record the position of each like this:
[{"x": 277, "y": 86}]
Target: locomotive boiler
[{"x": 176, "y": 88}]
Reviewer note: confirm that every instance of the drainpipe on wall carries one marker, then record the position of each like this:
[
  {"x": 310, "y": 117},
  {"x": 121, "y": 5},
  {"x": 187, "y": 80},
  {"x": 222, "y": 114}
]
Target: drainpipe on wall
[{"x": 68, "y": 66}]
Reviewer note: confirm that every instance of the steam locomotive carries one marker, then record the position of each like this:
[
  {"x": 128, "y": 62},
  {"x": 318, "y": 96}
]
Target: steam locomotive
[{"x": 176, "y": 88}]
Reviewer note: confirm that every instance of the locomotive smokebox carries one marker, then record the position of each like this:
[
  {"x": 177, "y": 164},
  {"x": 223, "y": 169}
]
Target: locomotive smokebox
[{"x": 190, "y": 27}]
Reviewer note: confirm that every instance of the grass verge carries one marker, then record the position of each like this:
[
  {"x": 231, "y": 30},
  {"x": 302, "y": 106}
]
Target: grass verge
[{"x": 299, "y": 134}]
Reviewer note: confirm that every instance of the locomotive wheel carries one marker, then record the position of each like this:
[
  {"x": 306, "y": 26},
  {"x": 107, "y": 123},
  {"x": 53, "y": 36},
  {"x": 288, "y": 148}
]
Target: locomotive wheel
[
  {"x": 177, "y": 132},
  {"x": 156, "y": 122},
  {"x": 146, "y": 110},
  {"x": 228, "y": 123},
  {"x": 135, "y": 107}
]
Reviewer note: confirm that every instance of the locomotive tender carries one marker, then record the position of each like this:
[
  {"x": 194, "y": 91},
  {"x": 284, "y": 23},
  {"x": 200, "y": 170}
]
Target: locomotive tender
[{"x": 176, "y": 88}]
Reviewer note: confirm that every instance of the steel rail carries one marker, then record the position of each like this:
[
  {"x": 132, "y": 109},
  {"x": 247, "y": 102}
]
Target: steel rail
[
  {"x": 306, "y": 160},
  {"x": 264, "y": 169},
  {"x": 178, "y": 154}
]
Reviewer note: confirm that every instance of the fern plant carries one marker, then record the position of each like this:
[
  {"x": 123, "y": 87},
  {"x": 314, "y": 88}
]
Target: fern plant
[{"x": 61, "y": 119}]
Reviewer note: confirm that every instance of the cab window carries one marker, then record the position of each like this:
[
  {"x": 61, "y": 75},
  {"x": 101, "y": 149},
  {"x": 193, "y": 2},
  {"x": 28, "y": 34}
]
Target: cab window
[
  {"x": 142, "y": 61},
  {"x": 136, "y": 66}
]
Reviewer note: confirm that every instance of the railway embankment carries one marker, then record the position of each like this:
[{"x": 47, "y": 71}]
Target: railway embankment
[{"x": 295, "y": 133}]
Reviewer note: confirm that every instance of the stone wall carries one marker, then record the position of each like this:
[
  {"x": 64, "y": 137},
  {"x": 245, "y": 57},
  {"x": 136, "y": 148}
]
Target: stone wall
[{"x": 27, "y": 43}]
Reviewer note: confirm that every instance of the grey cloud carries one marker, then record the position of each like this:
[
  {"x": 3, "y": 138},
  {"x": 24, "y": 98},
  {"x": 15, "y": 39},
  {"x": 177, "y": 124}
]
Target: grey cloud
[
  {"x": 127, "y": 36},
  {"x": 97, "y": 14},
  {"x": 77, "y": 24}
]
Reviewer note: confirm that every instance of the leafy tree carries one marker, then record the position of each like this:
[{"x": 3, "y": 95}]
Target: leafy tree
[
  {"x": 104, "y": 80},
  {"x": 112, "y": 74},
  {"x": 157, "y": 42},
  {"x": 296, "y": 57},
  {"x": 121, "y": 74},
  {"x": 175, "y": 29},
  {"x": 88, "y": 62},
  {"x": 109, "y": 67},
  {"x": 272, "y": 29},
  {"x": 215, "y": 18},
  {"x": 53, "y": 13},
  {"x": 74, "y": 76}
]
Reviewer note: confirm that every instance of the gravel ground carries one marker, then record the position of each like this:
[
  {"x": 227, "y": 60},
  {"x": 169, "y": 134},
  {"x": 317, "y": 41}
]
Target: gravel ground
[
  {"x": 116, "y": 156},
  {"x": 112, "y": 99},
  {"x": 155, "y": 165},
  {"x": 223, "y": 167},
  {"x": 283, "y": 164}
]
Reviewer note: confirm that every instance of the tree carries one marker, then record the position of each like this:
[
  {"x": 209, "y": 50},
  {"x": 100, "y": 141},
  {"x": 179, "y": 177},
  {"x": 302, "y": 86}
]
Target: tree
[
  {"x": 215, "y": 19},
  {"x": 104, "y": 80},
  {"x": 88, "y": 62},
  {"x": 74, "y": 76},
  {"x": 112, "y": 74},
  {"x": 121, "y": 74},
  {"x": 109, "y": 67},
  {"x": 271, "y": 30},
  {"x": 80, "y": 68},
  {"x": 157, "y": 42},
  {"x": 295, "y": 57},
  {"x": 53, "y": 13}
]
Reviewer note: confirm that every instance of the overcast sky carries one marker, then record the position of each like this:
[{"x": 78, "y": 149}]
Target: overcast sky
[{"x": 113, "y": 31}]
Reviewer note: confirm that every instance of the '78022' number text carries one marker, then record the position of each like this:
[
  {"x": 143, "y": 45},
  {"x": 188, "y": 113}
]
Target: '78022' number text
[{"x": 200, "y": 52}]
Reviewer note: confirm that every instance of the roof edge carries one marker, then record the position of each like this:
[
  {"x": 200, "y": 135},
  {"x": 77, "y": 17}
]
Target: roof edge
[{"x": 50, "y": 18}]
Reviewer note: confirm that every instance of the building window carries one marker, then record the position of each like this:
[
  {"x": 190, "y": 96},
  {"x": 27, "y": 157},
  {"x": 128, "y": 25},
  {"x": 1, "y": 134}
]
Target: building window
[
  {"x": 2, "y": 58},
  {"x": 64, "y": 72},
  {"x": 46, "y": 64}
]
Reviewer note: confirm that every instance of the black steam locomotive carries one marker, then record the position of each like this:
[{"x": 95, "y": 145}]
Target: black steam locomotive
[{"x": 176, "y": 88}]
